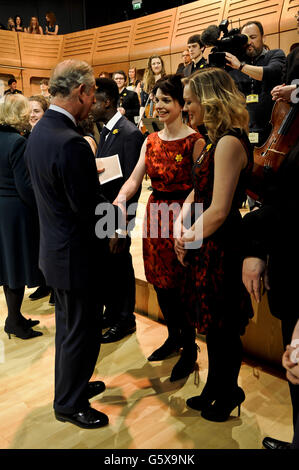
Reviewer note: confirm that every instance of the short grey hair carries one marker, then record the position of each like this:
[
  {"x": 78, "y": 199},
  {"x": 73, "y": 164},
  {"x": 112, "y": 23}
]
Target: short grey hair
[{"x": 70, "y": 74}]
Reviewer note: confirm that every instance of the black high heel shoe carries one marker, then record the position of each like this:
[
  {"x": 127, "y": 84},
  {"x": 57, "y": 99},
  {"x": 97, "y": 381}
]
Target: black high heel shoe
[
  {"x": 185, "y": 365},
  {"x": 28, "y": 323},
  {"x": 199, "y": 402},
  {"x": 221, "y": 409},
  {"x": 169, "y": 347},
  {"x": 21, "y": 332}
]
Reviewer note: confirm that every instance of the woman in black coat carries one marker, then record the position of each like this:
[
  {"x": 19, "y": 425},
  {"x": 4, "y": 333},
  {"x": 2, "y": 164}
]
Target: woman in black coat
[{"x": 18, "y": 217}]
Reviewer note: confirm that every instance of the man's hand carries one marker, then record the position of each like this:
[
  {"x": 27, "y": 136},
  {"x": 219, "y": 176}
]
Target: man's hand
[
  {"x": 282, "y": 92},
  {"x": 121, "y": 110},
  {"x": 254, "y": 270},
  {"x": 232, "y": 61}
]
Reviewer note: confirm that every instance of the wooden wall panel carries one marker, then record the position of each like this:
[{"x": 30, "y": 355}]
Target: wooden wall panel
[
  {"x": 79, "y": 45},
  {"x": 9, "y": 48},
  {"x": 266, "y": 11},
  {"x": 31, "y": 80},
  {"x": 110, "y": 68},
  {"x": 112, "y": 44},
  {"x": 153, "y": 34},
  {"x": 288, "y": 21},
  {"x": 40, "y": 51},
  {"x": 193, "y": 19}
]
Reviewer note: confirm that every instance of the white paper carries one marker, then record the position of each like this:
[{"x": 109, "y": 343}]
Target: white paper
[{"x": 112, "y": 168}]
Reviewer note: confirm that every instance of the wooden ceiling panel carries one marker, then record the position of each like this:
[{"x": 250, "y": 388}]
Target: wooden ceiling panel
[{"x": 41, "y": 51}]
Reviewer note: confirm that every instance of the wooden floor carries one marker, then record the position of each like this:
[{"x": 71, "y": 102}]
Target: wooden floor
[{"x": 145, "y": 409}]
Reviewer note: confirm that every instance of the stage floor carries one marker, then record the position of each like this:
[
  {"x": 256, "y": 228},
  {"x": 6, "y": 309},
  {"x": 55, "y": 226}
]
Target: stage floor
[{"x": 145, "y": 409}]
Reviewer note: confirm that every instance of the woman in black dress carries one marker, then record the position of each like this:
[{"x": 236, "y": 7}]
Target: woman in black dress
[
  {"x": 219, "y": 305},
  {"x": 19, "y": 238}
]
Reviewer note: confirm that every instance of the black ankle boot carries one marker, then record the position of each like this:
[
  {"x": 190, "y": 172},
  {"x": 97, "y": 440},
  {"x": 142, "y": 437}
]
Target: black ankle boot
[
  {"x": 221, "y": 409},
  {"x": 186, "y": 363},
  {"x": 170, "y": 346}
]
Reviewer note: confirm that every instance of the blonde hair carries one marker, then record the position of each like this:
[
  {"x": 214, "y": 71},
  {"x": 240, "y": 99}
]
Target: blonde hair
[
  {"x": 224, "y": 105},
  {"x": 15, "y": 112},
  {"x": 149, "y": 77}
]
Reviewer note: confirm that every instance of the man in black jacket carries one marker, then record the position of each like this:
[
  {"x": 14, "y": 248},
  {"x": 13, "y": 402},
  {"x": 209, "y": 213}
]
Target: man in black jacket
[
  {"x": 260, "y": 71},
  {"x": 196, "y": 49},
  {"x": 128, "y": 102},
  {"x": 67, "y": 191},
  {"x": 119, "y": 137}
]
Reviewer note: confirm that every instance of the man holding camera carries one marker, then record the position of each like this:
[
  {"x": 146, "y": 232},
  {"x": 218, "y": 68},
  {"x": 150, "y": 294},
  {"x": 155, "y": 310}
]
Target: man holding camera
[{"x": 256, "y": 77}]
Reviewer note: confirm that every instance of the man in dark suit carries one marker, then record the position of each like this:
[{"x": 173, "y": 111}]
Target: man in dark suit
[
  {"x": 186, "y": 61},
  {"x": 128, "y": 102},
  {"x": 12, "y": 90},
  {"x": 67, "y": 191},
  {"x": 196, "y": 49},
  {"x": 119, "y": 137}
]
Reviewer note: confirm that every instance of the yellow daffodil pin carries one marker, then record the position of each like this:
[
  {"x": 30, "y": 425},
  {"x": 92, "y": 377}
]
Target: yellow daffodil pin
[
  {"x": 115, "y": 131},
  {"x": 179, "y": 158}
]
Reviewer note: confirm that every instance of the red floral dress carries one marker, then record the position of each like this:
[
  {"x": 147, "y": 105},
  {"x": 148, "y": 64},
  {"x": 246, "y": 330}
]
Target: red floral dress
[
  {"x": 169, "y": 166},
  {"x": 213, "y": 290}
]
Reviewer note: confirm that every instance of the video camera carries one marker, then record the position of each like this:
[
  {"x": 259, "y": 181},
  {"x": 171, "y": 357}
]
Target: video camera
[{"x": 232, "y": 41}]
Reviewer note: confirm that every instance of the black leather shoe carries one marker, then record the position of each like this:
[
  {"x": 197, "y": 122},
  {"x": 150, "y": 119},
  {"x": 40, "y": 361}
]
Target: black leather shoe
[
  {"x": 170, "y": 346},
  {"x": 95, "y": 388},
  {"x": 88, "y": 419},
  {"x": 117, "y": 332},
  {"x": 40, "y": 292},
  {"x": 185, "y": 365},
  {"x": 274, "y": 444},
  {"x": 106, "y": 323}
]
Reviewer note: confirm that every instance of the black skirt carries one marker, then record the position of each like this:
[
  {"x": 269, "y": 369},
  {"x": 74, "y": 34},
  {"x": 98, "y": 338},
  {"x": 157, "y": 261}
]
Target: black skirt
[{"x": 19, "y": 244}]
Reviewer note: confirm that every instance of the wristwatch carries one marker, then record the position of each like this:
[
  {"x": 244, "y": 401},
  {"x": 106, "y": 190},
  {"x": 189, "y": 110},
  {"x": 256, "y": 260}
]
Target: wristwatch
[{"x": 242, "y": 64}]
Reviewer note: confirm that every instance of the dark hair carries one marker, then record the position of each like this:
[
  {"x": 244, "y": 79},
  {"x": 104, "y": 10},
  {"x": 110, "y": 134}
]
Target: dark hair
[
  {"x": 108, "y": 87},
  {"x": 52, "y": 17},
  {"x": 11, "y": 81},
  {"x": 195, "y": 38},
  {"x": 120, "y": 72},
  {"x": 86, "y": 126},
  {"x": 257, "y": 23},
  {"x": 18, "y": 16},
  {"x": 171, "y": 85},
  {"x": 44, "y": 81}
]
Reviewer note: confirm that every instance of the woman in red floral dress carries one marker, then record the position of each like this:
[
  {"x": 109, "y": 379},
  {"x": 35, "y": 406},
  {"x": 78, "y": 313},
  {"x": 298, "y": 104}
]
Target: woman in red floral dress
[
  {"x": 219, "y": 306},
  {"x": 167, "y": 157}
]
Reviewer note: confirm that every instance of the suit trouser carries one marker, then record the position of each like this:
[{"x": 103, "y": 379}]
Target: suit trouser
[
  {"x": 78, "y": 341},
  {"x": 120, "y": 301}
]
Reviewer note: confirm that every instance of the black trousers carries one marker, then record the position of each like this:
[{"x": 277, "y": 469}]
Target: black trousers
[
  {"x": 78, "y": 341},
  {"x": 175, "y": 318},
  {"x": 120, "y": 287}
]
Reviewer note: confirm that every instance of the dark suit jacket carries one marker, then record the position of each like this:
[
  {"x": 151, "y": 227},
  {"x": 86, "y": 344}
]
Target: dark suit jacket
[
  {"x": 129, "y": 100},
  {"x": 126, "y": 141},
  {"x": 191, "y": 68},
  {"x": 64, "y": 178}
]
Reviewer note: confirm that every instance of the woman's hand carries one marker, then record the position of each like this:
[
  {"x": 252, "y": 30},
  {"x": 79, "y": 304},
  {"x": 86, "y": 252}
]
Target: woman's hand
[
  {"x": 282, "y": 92},
  {"x": 254, "y": 270},
  {"x": 179, "y": 248}
]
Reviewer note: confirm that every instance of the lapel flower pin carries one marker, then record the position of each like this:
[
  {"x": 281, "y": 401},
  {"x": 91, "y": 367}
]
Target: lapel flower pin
[
  {"x": 179, "y": 158},
  {"x": 208, "y": 147},
  {"x": 115, "y": 131}
]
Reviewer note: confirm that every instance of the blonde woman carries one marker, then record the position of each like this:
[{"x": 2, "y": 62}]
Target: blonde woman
[
  {"x": 218, "y": 304},
  {"x": 19, "y": 230},
  {"x": 34, "y": 27}
]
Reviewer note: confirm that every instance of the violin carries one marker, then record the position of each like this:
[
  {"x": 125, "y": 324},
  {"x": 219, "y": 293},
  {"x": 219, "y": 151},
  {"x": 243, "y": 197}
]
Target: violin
[
  {"x": 149, "y": 112},
  {"x": 269, "y": 157}
]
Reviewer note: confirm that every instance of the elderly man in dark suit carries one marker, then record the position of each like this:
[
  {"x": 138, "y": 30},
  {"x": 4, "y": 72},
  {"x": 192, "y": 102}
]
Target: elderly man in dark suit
[
  {"x": 67, "y": 191},
  {"x": 119, "y": 137},
  {"x": 128, "y": 101}
]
